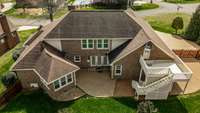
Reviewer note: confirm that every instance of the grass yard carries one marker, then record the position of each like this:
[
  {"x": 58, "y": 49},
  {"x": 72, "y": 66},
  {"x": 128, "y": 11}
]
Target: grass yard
[
  {"x": 182, "y": 1},
  {"x": 38, "y": 102},
  {"x": 5, "y": 1},
  {"x": 6, "y": 60},
  {"x": 145, "y": 7},
  {"x": 162, "y": 22},
  {"x": 35, "y": 13}
]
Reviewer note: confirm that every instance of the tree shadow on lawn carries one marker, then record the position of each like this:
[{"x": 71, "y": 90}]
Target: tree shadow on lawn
[
  {"x": 127, "y": 101},
  {"x": 171, "y": 105},
  {"x": 35, "y": 102}
]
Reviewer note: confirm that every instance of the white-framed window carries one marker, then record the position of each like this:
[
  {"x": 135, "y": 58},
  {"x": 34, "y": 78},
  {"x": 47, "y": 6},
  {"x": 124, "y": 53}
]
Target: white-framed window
[
  {"x": 64, "y": 81},
  {"x": 77, "y": 58},
  {"x": 2, "y": 41},
  {"x": 118, "y": 70},
  {"x": 87, "y": 44},
  {"x": 102, "y": 44}
]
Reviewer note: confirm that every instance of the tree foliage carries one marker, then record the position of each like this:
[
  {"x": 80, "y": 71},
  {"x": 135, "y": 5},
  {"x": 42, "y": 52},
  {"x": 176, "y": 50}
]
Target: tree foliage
[
  {"x": 193, "y": 29},
  {"x": 146, "y": 107},
  {"x": 177, "y": 24},
  {"x": 9, "y": 79}
]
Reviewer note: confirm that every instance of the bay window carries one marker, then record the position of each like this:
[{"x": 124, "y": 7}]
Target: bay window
[{"x": 64, "y": 81}]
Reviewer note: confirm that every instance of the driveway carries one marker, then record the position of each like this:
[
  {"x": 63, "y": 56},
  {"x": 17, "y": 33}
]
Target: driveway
[
  {"x": 194, "y": 83},
  {"x": 168, "y": 8}
]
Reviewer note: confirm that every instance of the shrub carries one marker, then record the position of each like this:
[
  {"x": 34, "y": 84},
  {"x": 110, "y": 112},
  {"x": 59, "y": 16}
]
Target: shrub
[
  {"x": 193, "y": 29},
  {"x": 9, "y": 79},
  {"x": 145, "y": 6},
  {"x": 146, "y": 107},
  {"x": 17, "y": 53},
  {"x": 177, "y": 24}
]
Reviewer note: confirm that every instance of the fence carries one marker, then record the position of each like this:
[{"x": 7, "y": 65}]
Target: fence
[
  {"x": 188, "y": 53},
  {"x": 10, "y": 93}
]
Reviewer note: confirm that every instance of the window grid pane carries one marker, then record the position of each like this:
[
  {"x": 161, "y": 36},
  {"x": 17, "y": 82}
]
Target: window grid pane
[
  {"x": 105, "y": 44},
  {"x": 99, "y": 42},
  {"x": 69, "y": 78},
  {"x": 63, "y": 81},
  {"x": 84, "y": 43},
  {"x": 56, "y": 84},
  {"x": 90, "y": 43}
]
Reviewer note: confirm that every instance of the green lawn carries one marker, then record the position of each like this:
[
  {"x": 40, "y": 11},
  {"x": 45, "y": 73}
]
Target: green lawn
[
  {"x": 14, "y": 13},
  {"x": 6, "y": 60},
  {"x": 182, "y": 1},
  {"x": 5, "y": 1},
  {"x": 145, "y": 6},
  {"x": 38, "y": 102},
  {"x": 162, "y": 22}
]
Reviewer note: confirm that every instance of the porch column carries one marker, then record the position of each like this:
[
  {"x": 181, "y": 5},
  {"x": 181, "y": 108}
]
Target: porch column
[
  {"x": 140, "y": 75},
  {"x": 74, "y": 75}
]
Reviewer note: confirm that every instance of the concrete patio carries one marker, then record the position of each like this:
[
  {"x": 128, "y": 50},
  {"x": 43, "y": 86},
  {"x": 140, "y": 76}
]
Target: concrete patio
[
  {"x": 194, "y": 83},
  {"x": 95, "y": 83}
]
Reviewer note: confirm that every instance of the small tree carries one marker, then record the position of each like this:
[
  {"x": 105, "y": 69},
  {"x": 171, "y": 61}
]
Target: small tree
[
  {"x": 9, "y": 79},
  {"x": 193, "y": 29},
  {"x": 177, "y": 24},
  {"x": 146, "y": 107}
]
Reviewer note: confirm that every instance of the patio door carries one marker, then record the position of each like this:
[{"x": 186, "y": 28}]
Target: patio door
[{"x": 99, "y": 60}]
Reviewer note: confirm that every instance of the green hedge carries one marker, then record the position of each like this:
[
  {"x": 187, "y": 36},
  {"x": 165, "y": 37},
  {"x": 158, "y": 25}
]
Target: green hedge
[{"x": 145, "y": 6}]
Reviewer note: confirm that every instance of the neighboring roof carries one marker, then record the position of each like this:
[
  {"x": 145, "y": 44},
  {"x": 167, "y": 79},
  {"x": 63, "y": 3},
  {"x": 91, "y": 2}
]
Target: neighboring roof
[
  {"x": 11, "y": 26},
  {"x": 176, "y": 42},
  {"x": 95, "y": 24}
]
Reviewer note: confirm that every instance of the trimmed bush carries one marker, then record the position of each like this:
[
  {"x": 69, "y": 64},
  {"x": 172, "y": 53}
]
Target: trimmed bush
[
  {"x": 177, "y": 24},
  {"x": 145, "y": 6},
  {"x": 9, "y": 79}
]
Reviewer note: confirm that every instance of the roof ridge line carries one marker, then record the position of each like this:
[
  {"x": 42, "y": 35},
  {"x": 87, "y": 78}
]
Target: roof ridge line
[{"x": 58, "y": 58}]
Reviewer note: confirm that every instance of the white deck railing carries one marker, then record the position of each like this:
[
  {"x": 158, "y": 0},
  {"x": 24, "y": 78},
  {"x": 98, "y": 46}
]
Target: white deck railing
[
  {"x": 162, "y": 71},
  {"x": 152, "y": 71}
]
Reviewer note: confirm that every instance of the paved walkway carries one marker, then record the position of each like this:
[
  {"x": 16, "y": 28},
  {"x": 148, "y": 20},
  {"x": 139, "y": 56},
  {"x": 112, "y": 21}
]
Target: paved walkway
[
  {"x": 169, "y": 8},
  {"x": 194, "y": 83},
  {"x": 7, "y": 6},
  {"x": 176, "y": 42},
  {"x": 28, "y": 22},
  {"x": 23, "y": 28}
]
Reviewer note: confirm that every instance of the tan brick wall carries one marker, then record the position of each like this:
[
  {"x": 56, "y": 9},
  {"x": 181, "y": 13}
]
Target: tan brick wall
[
  {"x": 3, "y": 47},
  {"x": 131, "y": 66},
  {"x": 27, "y": 77},
  {"x": 73, "y": 47}
]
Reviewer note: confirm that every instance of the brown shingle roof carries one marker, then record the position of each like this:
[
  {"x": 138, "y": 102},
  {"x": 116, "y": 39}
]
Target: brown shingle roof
[
  {"x": 50, "y": 67},
  {"x": 143, "y": 36},
  {"x": 96, "y": 24}
]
